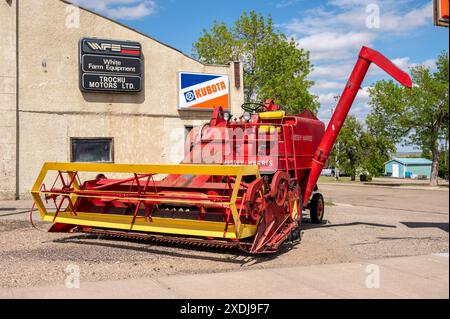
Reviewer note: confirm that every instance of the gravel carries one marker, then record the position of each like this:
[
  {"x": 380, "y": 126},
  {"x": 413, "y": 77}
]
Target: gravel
[{"x": 352, "y": 232}]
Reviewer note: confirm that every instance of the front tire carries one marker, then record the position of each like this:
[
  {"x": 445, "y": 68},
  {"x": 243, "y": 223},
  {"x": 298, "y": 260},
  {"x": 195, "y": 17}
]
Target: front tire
[{"x": 317, "y": 210}]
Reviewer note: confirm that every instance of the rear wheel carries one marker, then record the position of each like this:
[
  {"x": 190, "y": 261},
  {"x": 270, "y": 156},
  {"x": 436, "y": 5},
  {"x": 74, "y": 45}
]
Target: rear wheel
[
  {"x": 296, "y": 233},
  {"x": 317, "y": 209}
]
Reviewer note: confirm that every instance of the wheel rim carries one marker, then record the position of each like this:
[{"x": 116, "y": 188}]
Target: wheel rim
[{"x": 320, "y": 207}]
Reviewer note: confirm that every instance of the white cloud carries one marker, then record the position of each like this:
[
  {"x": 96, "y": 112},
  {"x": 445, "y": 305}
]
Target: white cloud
[
  {"x": 331, "y": 98},
  {"x": 327, "y": 85},
  {"x": 120, "y": 9},
  {"x": 360, "y": 108},
  {"x": 285, "y": 3},
  {"x": 363, "y": 95},
  {"x": 395, "y": 15},
  {"x": 332, "y": 45},
  {"x": 402, "y": 63},
  {"x": 328, "y": 98},
  {"x": 334, "y": 33},
  {"x": 142, "y": 9},
  {"x": 339, "y": 33},
  {"x": 328, "y": 72},
  {"x": 348, "y": 3},
  {"x": 405, "y": 63},
  {"x": 410, "y": 21}
]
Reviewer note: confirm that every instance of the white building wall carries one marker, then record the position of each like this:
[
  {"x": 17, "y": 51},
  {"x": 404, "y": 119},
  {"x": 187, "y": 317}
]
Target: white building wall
[
  {"x": 52, "y": 109},
  {"x": 7, "y": 99}
]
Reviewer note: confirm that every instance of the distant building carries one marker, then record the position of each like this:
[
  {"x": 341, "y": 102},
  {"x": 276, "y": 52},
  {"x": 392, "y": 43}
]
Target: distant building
[{"x": 408, "y": 167}]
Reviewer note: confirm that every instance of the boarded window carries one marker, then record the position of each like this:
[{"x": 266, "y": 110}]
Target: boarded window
[{"x": 97, "y": 150}]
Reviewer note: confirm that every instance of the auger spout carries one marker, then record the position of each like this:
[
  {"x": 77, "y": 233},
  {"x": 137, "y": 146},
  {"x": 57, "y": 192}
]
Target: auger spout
[{"x": 366, "y": 57}]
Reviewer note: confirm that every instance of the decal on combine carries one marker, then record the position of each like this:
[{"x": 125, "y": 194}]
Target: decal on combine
[{"x": 203, "y": 91}]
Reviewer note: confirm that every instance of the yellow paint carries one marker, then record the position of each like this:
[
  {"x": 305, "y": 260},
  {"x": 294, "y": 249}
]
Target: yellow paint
[
  {"x": 188, "y": 169},
  {"x": 269, "y": 129},
  {"x": 155, "y": 225},
  {"x": 273, "y": 115}
]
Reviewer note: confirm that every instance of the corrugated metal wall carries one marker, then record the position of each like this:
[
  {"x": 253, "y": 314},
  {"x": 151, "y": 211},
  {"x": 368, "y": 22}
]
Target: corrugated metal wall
[{"x": 403, "y": 169}]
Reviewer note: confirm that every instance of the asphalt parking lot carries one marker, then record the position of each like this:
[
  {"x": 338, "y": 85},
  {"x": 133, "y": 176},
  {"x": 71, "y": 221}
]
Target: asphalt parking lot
[{"x": 362, "y": 223}]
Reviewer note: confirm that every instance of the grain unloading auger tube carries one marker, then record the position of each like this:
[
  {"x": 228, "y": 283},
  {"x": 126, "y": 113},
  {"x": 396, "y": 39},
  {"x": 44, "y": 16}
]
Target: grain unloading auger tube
[{"x": 266, "y": 169}]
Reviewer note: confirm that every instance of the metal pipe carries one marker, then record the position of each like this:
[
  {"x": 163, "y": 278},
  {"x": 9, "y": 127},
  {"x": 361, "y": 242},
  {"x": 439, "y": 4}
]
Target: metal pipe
[{"x": 366, "y": 57}]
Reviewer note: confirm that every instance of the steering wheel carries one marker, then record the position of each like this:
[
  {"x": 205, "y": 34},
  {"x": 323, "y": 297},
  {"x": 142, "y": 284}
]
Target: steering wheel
[{"x": 253, "y": 107}]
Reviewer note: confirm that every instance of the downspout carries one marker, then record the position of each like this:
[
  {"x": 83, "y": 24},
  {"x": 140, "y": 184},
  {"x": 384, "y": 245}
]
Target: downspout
[{"x": 17, "y": 103}]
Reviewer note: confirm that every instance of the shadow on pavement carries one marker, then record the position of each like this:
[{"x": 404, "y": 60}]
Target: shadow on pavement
[
  {"x": 442, "y": 226},
  {"x": 234, "y": 256},
  {"x": 308, "y": 225}
]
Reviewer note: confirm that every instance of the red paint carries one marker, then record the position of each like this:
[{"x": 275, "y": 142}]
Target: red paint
[
  {"x": 366, "y": 57},
  {"x": 135, "y": 52},
  {"x": 303, "y": 148}
]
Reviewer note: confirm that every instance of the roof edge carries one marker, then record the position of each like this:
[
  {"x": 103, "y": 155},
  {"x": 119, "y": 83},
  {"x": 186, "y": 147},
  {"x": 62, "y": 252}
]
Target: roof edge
[
  {"x": 141, "y": 33},
  {"x": 399, "y": 160}
]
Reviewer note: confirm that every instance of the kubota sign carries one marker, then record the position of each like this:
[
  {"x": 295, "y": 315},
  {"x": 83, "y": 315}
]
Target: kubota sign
[{"x": 203, "y": 91}]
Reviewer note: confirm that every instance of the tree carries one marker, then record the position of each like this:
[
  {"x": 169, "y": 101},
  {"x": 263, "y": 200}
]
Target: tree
[
  {"x": 274, "y": 66},
  {"x": 443, "y": 165},
  {"x": 358, "y": 150},
  {"x": 417, "y": 116},
  {"x": 376, "y": 150},
  {"x": 347, "y": 148},
  {"x": 283, "y": 70}
]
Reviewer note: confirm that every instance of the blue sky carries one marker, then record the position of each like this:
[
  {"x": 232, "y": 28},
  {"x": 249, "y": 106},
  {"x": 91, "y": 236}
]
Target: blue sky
[{"x": 332, "y": 30}]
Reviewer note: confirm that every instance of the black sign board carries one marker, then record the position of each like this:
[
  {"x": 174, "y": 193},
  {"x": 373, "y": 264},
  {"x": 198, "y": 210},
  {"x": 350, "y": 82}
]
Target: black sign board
[
  {"x": 109, "y": 47},
  {"x": 113, "y": 66},
  {"x": 105, "y": 82}
]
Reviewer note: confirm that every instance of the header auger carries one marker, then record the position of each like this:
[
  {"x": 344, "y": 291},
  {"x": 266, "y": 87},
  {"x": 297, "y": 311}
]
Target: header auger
[{"x": 243, "y": 183}]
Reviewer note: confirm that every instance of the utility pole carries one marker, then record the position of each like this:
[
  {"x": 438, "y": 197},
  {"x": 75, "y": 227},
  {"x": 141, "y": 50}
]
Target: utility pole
[
  {"x": 336, "y": 161},
  {"x": 446, "y": 154}
]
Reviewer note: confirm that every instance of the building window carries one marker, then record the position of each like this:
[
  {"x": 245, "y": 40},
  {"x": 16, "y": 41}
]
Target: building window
[{"x": 96, "y": 150}]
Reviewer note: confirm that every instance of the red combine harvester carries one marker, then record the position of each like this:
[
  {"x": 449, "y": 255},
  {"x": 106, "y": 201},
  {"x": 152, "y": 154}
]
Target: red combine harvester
[{"x": 243, "y": 182}]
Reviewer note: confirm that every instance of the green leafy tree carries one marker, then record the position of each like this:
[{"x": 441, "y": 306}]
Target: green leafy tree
[
  {"x": 417, "y": 116},
  {"x": 443, "y": 165},
  {"x": 283, "y": 70},
  {"x": 347, "y": 149},
  {"x": 218, "y": 46},
  {"x": 274, "y": 67},
  {"x": 358, "y": 150},
  {"x": 376, "y": 151}
]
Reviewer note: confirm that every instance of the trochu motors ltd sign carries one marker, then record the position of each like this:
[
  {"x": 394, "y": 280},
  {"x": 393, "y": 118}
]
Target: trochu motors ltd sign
[{"x": 108, "y": 65}]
